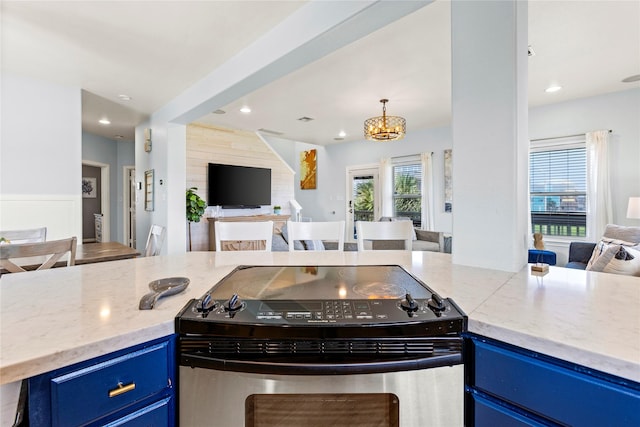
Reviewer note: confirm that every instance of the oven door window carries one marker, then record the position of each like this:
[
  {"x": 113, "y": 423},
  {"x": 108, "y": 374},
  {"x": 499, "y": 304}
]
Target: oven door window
[{"x": 321, "y": 410}]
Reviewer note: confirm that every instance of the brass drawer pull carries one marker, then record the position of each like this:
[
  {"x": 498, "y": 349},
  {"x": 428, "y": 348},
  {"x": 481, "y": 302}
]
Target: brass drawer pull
[{"x": 121, "y": 389}]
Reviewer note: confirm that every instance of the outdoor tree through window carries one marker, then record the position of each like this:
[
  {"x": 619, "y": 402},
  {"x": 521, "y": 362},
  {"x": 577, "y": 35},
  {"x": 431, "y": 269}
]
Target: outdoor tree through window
[{"x": 407, "y": 197}]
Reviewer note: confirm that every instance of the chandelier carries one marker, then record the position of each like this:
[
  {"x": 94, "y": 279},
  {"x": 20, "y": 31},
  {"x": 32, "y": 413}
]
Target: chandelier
[{"x": 385, "y": 128}]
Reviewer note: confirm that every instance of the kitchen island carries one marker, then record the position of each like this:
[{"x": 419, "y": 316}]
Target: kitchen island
[{"x": 59, "y": 317}]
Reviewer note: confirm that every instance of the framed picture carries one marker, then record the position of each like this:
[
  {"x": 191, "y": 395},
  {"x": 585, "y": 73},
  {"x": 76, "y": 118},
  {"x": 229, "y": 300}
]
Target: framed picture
[
  {"x": 448, "y": 186},
  {"x": 148, "y": 190},
  {"x": 308, "y": 168},
  {"x": 89, "y": 187}
]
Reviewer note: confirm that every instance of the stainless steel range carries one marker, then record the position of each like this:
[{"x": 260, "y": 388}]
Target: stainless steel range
[{"x": 321, "y": 346}]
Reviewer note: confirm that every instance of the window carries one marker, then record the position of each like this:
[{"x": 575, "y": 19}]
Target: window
[
  {"x": 407, "y": 184},
  {"x": 558, "y": 189}
]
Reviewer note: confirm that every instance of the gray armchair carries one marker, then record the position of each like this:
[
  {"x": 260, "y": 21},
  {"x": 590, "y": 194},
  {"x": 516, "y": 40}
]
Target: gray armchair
[
  {"x": 433, "y": 241},
  {"x": 580, "y": 252},
  {"x": 429, "y": 241}
]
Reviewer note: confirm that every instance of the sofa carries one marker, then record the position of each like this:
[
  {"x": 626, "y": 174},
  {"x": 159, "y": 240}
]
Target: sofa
[
  {"x": 579, "y": 254},
  {"x": 280, "y": 243},
  {"x": 618, "y": 252},
  {"x": 433, "y": 241}
]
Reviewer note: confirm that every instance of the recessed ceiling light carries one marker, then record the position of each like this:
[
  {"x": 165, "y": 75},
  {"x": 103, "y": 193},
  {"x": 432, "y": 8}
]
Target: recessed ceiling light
[
  {"x": 631, "y": 79},
  {"x": 124, "y": 97},
  {"x": 118, "y": 136},
  {"x": 338, "y": 139},
  {"x": 104, "y": 121},
  {"x": 553, "y": 88},
  {"x": 245, "y": 110},
  {"x": 342, "y": 134},
  {"x": 219, "y": 111}
]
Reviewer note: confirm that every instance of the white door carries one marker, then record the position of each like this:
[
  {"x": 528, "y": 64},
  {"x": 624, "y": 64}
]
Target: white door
[
  {"x": 363, "y": 198},
  {"x": 130, "y": 206}
]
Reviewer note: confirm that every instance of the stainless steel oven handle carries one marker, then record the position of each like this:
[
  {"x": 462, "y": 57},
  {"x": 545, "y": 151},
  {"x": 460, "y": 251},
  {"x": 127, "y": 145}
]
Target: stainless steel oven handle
[{"x": 283, "y": 368}]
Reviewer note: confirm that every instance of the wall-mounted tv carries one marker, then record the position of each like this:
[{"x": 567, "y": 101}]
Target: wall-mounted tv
[{"x": 238, "y": 187}]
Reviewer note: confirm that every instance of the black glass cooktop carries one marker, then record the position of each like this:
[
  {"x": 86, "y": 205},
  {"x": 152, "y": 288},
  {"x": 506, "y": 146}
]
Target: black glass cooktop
[
  {"x": 320, "y": 283},
  {"x": 317, "y": 296}
]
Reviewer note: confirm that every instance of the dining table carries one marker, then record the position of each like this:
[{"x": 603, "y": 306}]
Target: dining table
[{"x": 87, "y": 253}]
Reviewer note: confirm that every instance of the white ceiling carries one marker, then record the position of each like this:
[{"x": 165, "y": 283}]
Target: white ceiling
[{"x": 154, "y": 50}]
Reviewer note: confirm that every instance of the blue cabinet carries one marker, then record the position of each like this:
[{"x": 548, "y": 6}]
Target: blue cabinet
[
  {"x": 510, "y": 386},
  {"x": 131, "y": 387}
]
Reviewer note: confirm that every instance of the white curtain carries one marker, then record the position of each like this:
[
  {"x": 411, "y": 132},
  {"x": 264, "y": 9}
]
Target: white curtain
[
  {"x": 386, "y": 187},
  {"x": 529, "y": 222},
  {"x": 600, "y": 212},
  {"x": 428, "y": 210}
]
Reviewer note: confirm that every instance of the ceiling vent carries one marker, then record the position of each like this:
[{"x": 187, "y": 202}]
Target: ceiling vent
[
  {"x": 305, "y": 119},
  {"x": 272, "y": 132}
]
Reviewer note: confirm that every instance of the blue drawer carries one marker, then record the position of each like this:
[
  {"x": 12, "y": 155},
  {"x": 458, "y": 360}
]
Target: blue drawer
[
  {"x": 558, "y": 393},
  {"x": 487, "y": 413},
  {"x": 87, "y": 394},
  {"x": 156, "y": 415}
]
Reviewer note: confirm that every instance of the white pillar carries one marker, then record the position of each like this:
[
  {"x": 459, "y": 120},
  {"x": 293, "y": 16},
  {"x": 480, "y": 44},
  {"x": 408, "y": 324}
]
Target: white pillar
[{"x": 490, "y": 134}]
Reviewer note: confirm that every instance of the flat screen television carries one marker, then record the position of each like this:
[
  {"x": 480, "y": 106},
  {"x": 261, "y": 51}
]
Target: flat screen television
[{"x": 238, "y": 187}]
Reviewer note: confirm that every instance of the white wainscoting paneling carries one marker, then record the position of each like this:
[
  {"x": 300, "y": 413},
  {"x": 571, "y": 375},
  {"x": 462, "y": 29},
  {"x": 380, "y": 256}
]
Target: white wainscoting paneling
[{"x": 61, "y": 214}]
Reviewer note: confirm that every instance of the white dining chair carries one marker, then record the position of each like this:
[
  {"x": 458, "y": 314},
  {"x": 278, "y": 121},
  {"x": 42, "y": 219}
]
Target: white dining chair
[
  {"x": 369, "y": 231},
  {"x": 33, "y": 235},
  {"x": 50, "y": 251},
  {"x": 155, "y": 240},
  {"x": 233, "y": 231},
  {"x": 330, "y": 230}
]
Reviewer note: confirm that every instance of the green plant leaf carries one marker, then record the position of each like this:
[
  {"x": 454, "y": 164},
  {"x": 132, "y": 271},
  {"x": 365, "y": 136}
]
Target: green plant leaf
[{"x": 195, "y": 205}]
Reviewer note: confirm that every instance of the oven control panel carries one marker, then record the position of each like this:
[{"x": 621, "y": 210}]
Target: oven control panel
[{"x": 307, "y": 312}]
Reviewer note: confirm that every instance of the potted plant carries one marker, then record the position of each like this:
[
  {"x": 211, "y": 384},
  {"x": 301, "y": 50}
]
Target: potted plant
[
  {"x": 276, "y": 210},
  {"x": 195, "y": 209}
]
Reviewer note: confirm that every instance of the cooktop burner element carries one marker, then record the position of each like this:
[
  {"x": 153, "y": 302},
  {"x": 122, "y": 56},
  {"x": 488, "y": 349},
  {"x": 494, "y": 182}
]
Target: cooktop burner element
[{"x": 379, "y": 290}]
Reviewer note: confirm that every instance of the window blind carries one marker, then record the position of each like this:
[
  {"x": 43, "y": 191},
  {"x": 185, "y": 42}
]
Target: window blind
[
  {"x": 558, "y": 180},
  {"x": 558, "y": 188}
]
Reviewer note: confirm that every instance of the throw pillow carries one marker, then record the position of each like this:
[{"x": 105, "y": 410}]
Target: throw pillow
[
  {"x": 313, "y": 245},
  {"x": 278, "y": 244},
  {"x": 626, "y": 261},
  {"x": 624, "y": 233},
  {"x": 297, "y": 245},
  {"x": 618, "y": 259},
  {"x": 601, "y": 249}
]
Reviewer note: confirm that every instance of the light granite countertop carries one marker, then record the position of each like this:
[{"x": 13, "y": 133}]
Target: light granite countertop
[{"x": 58, "y": 317}]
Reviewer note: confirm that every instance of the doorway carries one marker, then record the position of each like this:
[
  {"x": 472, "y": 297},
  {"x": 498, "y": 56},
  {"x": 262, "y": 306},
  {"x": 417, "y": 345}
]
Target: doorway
[
  {"x": 363, "y": 197},
  {"x": 95, "y": 200},
  {"x": 91, "y": 206},
  {"x": 129, "y": 206}
]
